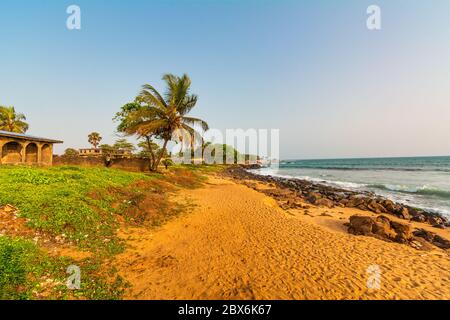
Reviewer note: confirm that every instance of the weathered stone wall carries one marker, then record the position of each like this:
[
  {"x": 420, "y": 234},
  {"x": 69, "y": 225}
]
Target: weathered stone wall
[{"x": 132, "y": 164}]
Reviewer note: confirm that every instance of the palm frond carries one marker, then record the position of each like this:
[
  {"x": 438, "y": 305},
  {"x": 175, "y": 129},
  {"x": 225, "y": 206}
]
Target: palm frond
[
  {"x": 12, "y": 121},
  {"x": 171, "y": 81},
  {"x": 146, "y": 128},
  {"x": 149, "y": 97},
  {"x": 145, "y": 113},
  {"x": 193, "y": 121},
  {"x": 188, "y": 104},
  {"x": 155, "y": 92}
]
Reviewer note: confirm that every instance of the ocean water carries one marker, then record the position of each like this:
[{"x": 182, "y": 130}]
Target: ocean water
[{"x": 422, "y": 182}]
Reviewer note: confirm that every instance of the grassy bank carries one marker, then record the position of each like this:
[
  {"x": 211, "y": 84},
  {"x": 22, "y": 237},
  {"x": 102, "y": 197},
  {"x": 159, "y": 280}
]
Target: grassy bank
[
  {"x": 84, "y": 207},
  {"x": 59, "y": 200},
  {"x": 27, "y": 272}
]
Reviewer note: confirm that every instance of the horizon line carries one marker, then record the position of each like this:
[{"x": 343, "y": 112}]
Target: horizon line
[{"x": 362, "y": 158}]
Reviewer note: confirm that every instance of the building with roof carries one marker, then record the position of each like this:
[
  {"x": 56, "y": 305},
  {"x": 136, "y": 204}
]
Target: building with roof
[
  {"x": 16, "y": 148},
  {"x": 90, "y": 152}
]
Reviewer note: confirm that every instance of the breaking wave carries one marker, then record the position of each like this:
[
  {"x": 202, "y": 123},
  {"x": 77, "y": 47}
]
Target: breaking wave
[{"x": 423, "y": 190}]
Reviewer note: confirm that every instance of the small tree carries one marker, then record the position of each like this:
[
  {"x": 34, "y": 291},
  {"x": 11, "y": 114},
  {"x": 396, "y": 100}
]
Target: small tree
[
  {"x": 107, "y": 149},
  {"x": 147, "y": 149},
  {"x": 124, "y": 146},
  {"x": 126, "y": 120},
  {"x": 94, "y": 138},
  {"x": 167, "y": 163},
  {"x": 70, "y": 152}
]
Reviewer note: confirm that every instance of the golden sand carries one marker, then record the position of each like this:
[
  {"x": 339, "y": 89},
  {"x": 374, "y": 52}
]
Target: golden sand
[{"x": 238, "y": 244}]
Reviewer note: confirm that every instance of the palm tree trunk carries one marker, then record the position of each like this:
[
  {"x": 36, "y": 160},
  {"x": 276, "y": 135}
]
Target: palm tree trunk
[
  {"x": 192, "y": 150},
  {"x": 163, "y": 150},
  {"x": 152, "y": 154}
]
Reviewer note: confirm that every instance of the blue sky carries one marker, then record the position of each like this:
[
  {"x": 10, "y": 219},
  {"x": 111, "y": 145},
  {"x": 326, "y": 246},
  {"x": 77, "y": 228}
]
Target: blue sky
[{"x": 309, "y": 68}]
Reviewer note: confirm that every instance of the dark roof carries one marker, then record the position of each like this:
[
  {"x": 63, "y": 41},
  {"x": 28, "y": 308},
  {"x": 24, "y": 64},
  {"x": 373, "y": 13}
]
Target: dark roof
[{"x": 26, "y": 137}]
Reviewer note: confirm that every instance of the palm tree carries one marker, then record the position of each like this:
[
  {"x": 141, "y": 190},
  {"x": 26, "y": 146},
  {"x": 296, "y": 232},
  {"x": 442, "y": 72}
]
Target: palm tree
[
  {"x": 94, "y": 138},
  {"x": 161, "y": 116},
  {"x": 11, "y": 121}
]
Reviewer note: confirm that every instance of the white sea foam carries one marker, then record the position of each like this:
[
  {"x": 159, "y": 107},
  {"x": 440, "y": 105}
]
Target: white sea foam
[{"x": 417, "y": 196}]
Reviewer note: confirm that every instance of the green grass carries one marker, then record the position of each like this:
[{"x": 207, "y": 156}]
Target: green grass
[
  {"x": 26, "y": 272},
  {"x": 59, "y": 200},
  {"x": 82, "y": 205},
  {"x": 17, "y": 257},
  {"x": 73, "y": 202}
]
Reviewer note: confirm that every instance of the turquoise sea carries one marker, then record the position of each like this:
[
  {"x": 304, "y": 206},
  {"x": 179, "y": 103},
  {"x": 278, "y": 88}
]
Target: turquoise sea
[{"x": 423, "y": 182}]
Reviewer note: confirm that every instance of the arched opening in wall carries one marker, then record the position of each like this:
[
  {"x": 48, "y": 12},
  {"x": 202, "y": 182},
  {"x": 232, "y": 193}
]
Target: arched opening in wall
[
  {"x": 31, "y": 153},
  {"x": 11, "y": 153},
  {"x": 46, "y": 154}
]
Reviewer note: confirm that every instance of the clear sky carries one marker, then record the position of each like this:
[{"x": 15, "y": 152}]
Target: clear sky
[{"x": 309, "y": 68}]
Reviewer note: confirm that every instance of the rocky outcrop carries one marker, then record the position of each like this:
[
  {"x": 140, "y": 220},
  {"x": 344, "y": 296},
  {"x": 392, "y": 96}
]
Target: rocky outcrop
[
  {"x": 318, "y": 200},
  {"x": 380, "y": 227},
  {"x": 383, "y": 228},
  {"x": 253, "y": 166},
  {"x": 432, "y": 238},
  {"x": 327, "y": 196}
]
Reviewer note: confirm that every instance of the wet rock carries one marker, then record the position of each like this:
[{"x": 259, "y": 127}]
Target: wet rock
[
  {"x": 419, "y": 217},
  {"x": 422, "y": 233},
  {"x": 389, "y": 206},
  {"x": 313, "y": 197},
  {"x": 359, "y": 225},
  {"x": 324, "y": 203},
  {"x": 376, "y": 207},
  {"x": 380, "y": 227},
  {"x": 432, "y": 238},
  {"x": 404, "y": 214},
  {"x": 440, "y": 242},
  {"x": 435, "y": 220},
  {"x": 421, "y": 244},
  {"x": 252, "y": 166},
  {"x": 355, "y": 201},
  {"x": 404, "y": 231}
]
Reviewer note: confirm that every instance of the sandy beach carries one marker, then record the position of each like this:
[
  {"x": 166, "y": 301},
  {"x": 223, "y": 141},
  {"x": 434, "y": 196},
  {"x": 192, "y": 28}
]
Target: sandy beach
[{"x": 237, "y": 243}]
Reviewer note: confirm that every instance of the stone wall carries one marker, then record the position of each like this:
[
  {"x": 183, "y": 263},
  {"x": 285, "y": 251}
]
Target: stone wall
[{"x": 132, "y": 164}]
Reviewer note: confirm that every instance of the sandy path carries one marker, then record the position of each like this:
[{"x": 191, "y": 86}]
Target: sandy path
[{"x": 237, "y": 244}]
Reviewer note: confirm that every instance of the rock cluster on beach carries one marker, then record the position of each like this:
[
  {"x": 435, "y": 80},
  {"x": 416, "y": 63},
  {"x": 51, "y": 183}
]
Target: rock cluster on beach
[
  {"x": 327, "y": 196},
  {"x": 301, "y": 194},
  {"x": 383, "y": 228}
]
